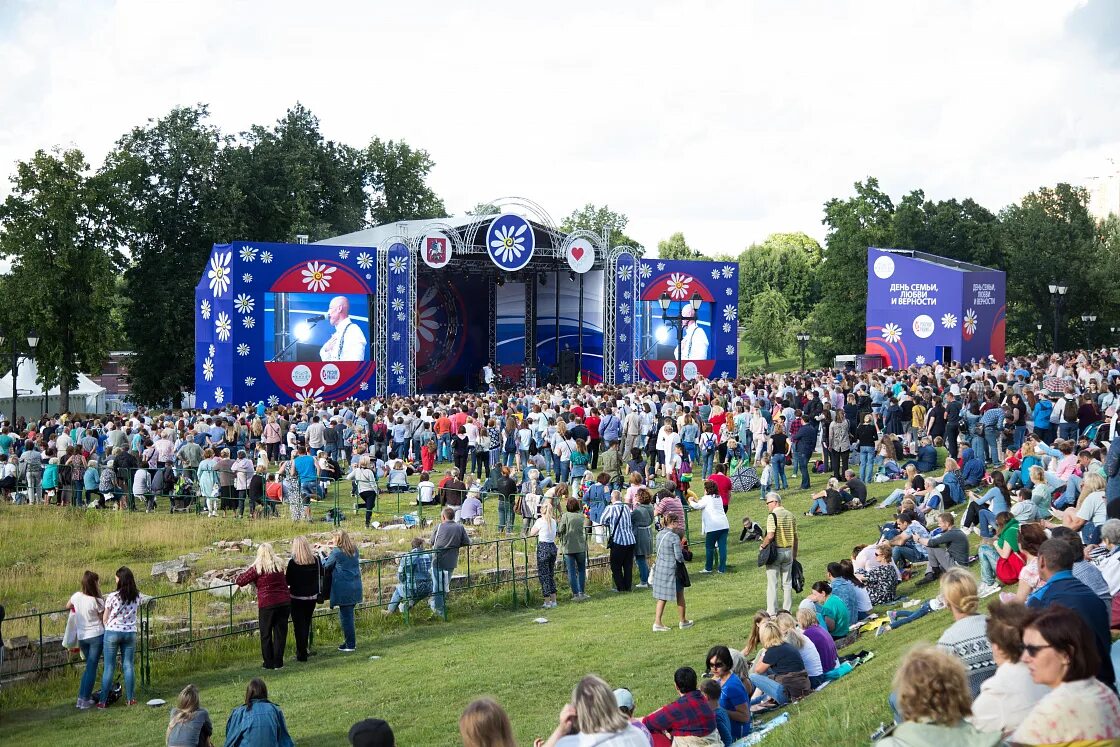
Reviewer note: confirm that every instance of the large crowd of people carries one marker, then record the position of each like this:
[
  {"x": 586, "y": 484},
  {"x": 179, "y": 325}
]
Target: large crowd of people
[{"x": 1018, "y": 453}]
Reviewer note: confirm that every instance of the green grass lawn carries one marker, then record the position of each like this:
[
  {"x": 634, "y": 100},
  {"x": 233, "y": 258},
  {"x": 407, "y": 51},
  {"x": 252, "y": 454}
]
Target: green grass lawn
[
  {"x": 749, "y": 360},
  {"x": 428, "y": 672}
]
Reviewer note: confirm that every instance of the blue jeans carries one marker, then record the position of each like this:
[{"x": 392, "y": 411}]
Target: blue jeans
[
  {"x": 777, "y": 467},
  {"x": 819, "y": 507},
  {"x": 91, "y": 650},
  {"x": 709, "y": 458},
  {"x": 991, "y": 439},
  {"x": 563, "y": 471},
  {"x": 690, "y": 449},
  {"x": 987, "y": 523},
  {"x": 988, "y": 559},
  {"x": 576, "y": 565},
  {"x": 893, "y": 499},
  {"x": 346, "y": 620},
  {"x": 905, "y": 552},
  {"x": 402, "y": 596},
  {"x": 1067, "y": 431},
  {"x": 643, "y": 569},
  {"x": 1020, "y": 435},
  {"x": 905, "y": 618},
  {"x": 714, "y": 541},
  {"x": 801, "y": 461},
  {"x": 443, "y": 447},
  {"x": 867, "y": 463},
  {"x": 125, "y": 643},
  {"x": 441, "y": 582},
  {"x": 769, "y": 687},
  {"x": 505, "y": 515}
]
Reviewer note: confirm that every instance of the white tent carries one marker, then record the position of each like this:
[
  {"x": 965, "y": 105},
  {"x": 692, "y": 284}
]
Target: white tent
[{"x": 86, "y": 397}]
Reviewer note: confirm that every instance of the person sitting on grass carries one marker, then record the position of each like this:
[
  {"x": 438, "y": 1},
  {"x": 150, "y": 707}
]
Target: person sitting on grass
[
  {"x": 625, "y": 700},
  {"x": 831, "y": 611},
  {"x": 933, "y": 701},
  {"x": 827, "y": 502},
  {"x": 593, "y": 717},
  {"x": 733, "y": 699},
  {"x": 258, "y": 722},
  {"x": 712, "y": 691},
  {"x": 948, "y": 549},
  {"x": 751, "y": 531},
  {"x": 190, "y": 724},
  {"x": 371, "y": 732},
  {"x": 819, "y": 637},
  {"x": 778, "y": 674},
  {"x": 690, "y": 715},
  {"x": 881, "y": 579},
  {"x": 484, "y": 723}
]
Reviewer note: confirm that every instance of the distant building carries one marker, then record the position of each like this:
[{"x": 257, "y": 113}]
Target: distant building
[
  {"x": 1104, "y": 192},
  {"x": 114, "y": 375}
]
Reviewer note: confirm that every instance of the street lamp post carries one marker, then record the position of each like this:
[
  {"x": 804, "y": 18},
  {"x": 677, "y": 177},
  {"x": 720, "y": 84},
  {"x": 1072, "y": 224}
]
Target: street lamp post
[
  {"x": 1088, "y": 319},
  {"x": 677, "y": 320},
  {"x": 1057, "y": 296},
  {"x": 802, "y": 343},
  {"x": 14, "y": 352},
  {"x": 1112, "y": 335},
  {"x": 1038, "y": 338}
]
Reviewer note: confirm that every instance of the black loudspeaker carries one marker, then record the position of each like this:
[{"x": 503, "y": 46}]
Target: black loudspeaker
[{"x": 569, "y": 366}]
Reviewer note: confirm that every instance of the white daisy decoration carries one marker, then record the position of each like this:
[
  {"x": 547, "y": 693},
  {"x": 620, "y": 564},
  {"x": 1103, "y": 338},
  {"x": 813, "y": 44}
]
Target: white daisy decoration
[
  {"x": 368, "y": 276},
  {"x": 219, "y": 272},
  {"x": 244, "y": 303},
  {"x": 205, "y": 405},
  {"x": 401, "y": 380},
  {"x": 397, "y": 304},
  {"x": 920, "y": 360},
  {"x": 730, "y": 312},
  {"x": 624, "y": 308},
  {"x": 248, "y": 322},
  {"x": 970, "y": 322},
  {"x": 243, "y": 349},
  {"x": 622, "y": 338},
  {"x": 623, "y": 366},
  {"x": 207, "y": 370},
  {"x": 727, "y": 291},
  {"x": 397, "y": 368},
  {"x": 212, "y": 350},
  {"x": 661, "y": 267},
  {"x": 396, "y": 337},
  {"x": 715, "y": 274},
  {"x": 400, "y": 290},
  {"x": 645, "y": 270},
  {"x": 309, "y": 396},
  {"x": 426, "y": 325},
  {"x": 626, "y": 295},
  {"x": 677, "y": 284},
  {"x": 625, "y": 320},
  {"x": 266, "y": 257},
  {"x": 343, "y": 253},
  {"x": 219, "y": 395},
  {"x": 624, "y": 272},
  {"x": 365, "y": 261},
  {"x": 949, "y": 321},
  {"x": 727, "y": 271},
  {"x": 247, "y": 277},
  {"x": 730, "y": 350},
  {"x": 248, "y": 254},
  {"x": 401, "y": 316},
  {"x": 317, "y": 276},
  {"x": 396, "y": 265},
  {"x": 222, "y": 326},
  {"x": 726, "y": 328},
  {"x": 250, "y": 381},
  {"x": 509, "y": 244},
  {"x": 204, "y": 309},
  {"x": 273, "y": 400},
  {"x": 363, "y": 386},
  {"x": 892, "y": 333}
]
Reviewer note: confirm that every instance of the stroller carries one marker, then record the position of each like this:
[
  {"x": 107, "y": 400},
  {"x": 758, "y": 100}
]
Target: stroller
[{"x": 182, "y": 500}]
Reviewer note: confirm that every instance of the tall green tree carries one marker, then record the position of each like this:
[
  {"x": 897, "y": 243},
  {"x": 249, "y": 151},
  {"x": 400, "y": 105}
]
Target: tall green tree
[
  {"x": 785, "y": 262},
  {"x": 54, "y": 228},
  {"x": 961, "y": 230},
  {"x": 1050, "y": 238},
  {"x": 862, "y": 220},
  {"x": 397, "y": 174},
  {"x": 675, "y": 247},
  {"x": 171, "y": 204},
  {"x": 595, "y": 219},
  {"x": 769, "y": 328},
  {"x": 484, "y": 208}
]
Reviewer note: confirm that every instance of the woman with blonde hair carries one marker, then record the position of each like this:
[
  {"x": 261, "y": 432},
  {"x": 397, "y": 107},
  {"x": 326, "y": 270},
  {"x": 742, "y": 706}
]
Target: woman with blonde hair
[
  {"x": 274, "y": 603},
  {"x": 305, "y": 580},
  {"x": 544, "y": 529},
  {"x": 190, "y": 723},
  {"x": 752, "y": 640},
  {"x": 593, "y": 717},
  {"x": 810, "y": 657},
  {"x": 778, "y": 672},
  {"x": 485, "y": 724},
  {"x": 365, "y": 482},
  {"x": 933, "y": 698},
  {"x": 1091, "y": 511},
  {"x": 346, "y": 584}
]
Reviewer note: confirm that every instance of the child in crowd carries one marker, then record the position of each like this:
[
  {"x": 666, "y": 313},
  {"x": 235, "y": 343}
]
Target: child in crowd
[
  {"x": 751, "y": 532},
  {"x": 425, "y": 490},
  {"x": 142, "y": 488},
  {"x": 711, "y": 691},
  {"x": 765, "y": 476}
]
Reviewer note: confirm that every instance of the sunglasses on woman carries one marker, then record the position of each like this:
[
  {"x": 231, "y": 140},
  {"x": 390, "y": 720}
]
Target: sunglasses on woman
[{"x": 1033, "y": 651}]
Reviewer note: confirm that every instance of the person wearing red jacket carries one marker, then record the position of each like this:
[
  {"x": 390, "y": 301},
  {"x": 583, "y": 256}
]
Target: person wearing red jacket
[
  {"x": 723, "y": 484},
  {"x": 274, "y": 603}
]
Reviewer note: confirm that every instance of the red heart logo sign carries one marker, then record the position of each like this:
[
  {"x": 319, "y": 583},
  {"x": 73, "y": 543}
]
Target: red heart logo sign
[{"x": 577, "y": 252}]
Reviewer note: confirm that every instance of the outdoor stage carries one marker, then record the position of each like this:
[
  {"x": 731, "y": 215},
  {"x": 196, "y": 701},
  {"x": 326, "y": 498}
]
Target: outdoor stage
[{"x": 422, "y": 306}]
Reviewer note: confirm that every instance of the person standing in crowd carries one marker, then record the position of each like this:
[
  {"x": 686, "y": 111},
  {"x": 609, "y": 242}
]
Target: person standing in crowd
[
  {"x": 189, "y": 725},
  {"x": 804, "y": 442},
  {"x": 571, "y": 541},
  {"x": 620, "y": 540},
  {"x": 544, "y": 529},
  {"x": 274, "y": 603},
  {"x": 304, "y": 576},
  {"x": 257, "y": 722},
  {"x": 715, "y": 526},
  {"x": 122, "y": 609},
  {"x": 666, "y": 582},
  {"x": 87, "y": 607},
  {"x": 781, "y": 531},
  {"x": 447, "y": 539},
  {"x": 346, "y": 584}
]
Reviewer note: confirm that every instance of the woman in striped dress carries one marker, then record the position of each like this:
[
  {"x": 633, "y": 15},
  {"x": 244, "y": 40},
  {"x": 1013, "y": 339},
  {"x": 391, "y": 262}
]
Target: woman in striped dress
[
  {"x": 663, "y": 577},
  {"x": 290, "y": 479}
]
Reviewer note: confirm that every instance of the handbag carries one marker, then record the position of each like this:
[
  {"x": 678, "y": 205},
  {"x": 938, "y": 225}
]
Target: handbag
[
  {"x": 1007, "y": 569},
  {"x": 682, "y": 575},
  {"x": 797, "y": 577},
  {"x": 70, "y": 635},
  {"x": 768, "y": 555}
]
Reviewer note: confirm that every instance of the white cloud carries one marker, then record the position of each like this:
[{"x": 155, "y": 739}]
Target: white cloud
[{"x": 726, "y": 121}]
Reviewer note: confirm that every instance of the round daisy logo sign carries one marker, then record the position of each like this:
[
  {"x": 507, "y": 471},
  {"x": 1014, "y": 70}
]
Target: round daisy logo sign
[
  {"x": 510, "y": 242},
  {"x": 923, "y": 326},
  {"x": 883, "y": 267}
]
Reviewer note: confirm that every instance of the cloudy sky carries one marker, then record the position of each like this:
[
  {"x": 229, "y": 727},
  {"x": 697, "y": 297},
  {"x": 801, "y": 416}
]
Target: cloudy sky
[{"x": 724, "y": 120}]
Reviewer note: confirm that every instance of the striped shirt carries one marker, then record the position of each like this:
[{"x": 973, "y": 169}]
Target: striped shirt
[
  {"x": 616, "y": 516},
  {"x": 783, "y": 525}
]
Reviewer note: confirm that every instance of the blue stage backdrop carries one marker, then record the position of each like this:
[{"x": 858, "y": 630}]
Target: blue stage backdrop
[
  {"x": 283, "y": 322},
  {"x": 922, "y": 308},
  {"x": 710, "y": 341},
  {"x": 570, "y": 329}
]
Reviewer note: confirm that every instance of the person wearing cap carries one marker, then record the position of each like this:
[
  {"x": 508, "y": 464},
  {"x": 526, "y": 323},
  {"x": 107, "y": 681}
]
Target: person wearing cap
[
  {"x": 371, "y": 732},
  {"x": 781, "y": 529},
  {"x": 625, "y": 700}
]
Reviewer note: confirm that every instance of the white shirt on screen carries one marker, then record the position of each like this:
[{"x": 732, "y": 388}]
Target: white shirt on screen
[
  {"x": 348, "y": 343},
  {"x": 694, "y": 344}
]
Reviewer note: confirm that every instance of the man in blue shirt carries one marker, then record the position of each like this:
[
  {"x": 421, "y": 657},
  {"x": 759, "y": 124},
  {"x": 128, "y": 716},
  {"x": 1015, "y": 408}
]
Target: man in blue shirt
[
  {"x": 308, "y": 471},
  {"x": 926, "y": 458},
  {"x": 1055, "y": 566},
  {"x": 804, "y": 442},
  {"x": 1041, "y": 416}
]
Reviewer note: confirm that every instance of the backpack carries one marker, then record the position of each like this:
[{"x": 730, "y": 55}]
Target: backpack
[
  {"x": 379, "y": 432},
  {"x": 511, "y": 443},
  {"x": 1069, "y": 413}
]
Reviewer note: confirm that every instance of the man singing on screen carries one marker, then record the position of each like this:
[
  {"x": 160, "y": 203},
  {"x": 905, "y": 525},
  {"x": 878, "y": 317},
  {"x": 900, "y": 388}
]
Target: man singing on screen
[
  {"x": 694, "y": 341},
  {"x": 348, "y": 343}
]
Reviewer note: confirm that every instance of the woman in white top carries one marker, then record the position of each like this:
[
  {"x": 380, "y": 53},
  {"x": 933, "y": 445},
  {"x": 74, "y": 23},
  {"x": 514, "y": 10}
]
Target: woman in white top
[
  {"x": 544, "y": 529},
  {"x": 120, "y": 618},
  {"x": 87, "y": 606},
  {"x": 594, "y": 719},
  {"x": 810, "y": 657},
  {"x": 715, "y": 526},
  {"x": 365, "y": 482},
  {"x": 667, "y": 439},
  {"x": 1007, "y": 696}
]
